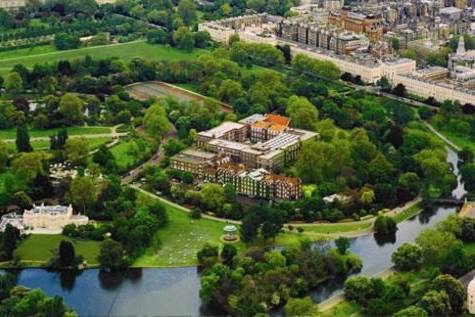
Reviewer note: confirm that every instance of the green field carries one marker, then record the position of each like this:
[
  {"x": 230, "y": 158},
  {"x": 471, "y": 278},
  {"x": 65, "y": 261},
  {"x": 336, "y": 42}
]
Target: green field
[
  {"x": 37, "y": 249},
  {"x": 408, "y": 213},
  {"x": 10, "y": 134},
  {"x": 125, "y": 51},
  {"x": 332, "y": 228},
  {"x": 460, "y": 141},
  {"x": 180, "y": 240},
  {"x": 127, "y": 154}
]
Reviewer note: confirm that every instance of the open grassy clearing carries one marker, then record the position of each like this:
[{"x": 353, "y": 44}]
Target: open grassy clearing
[
  {"x": 460, "y": 141},
  {"x": 330, "y": 228},
  {"x": 94, "y": 143},
  {"x": 28, "y": 51},
  {"x": 125, "y": 51},
  {"x": 178, "y": 242},
  {"x": 11, "y": 133},
  {"x": 39, "y": 248},
  {"x": 343, "y": 309},
  {"x": 128, "y": 153},
  {"x": 408, "y": 213}
]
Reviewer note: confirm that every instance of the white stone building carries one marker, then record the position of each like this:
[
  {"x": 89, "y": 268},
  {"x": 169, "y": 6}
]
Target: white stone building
[
  {"x": 471, "y": 297},
  {"x": 51, "y": 218}
]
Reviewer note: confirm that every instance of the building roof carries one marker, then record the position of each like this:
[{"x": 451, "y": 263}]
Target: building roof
[
  {"x": 252, "y": 119},
  {"x": 52, "y": 210},
  {"x": 281, "y": 141},
  {"x": 282, "y": 179},
  {"x": 198, "y": 154},
  {"x": 229, "y": 144},
  {"x": 222, "y": 129}
]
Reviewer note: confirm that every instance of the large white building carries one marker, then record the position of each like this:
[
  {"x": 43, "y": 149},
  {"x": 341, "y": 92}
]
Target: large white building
[
  {"x": 51, "y": 218},
  {"x": 471, "y": 297}
]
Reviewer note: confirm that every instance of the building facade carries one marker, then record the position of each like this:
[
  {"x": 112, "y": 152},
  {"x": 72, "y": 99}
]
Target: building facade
[{"x": 52, "y": 218}]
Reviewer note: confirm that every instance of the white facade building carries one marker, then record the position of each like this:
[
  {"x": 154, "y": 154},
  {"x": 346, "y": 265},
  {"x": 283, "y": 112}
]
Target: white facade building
[
  {"x": 471, "y": 297},
  {"x": 52, "y": 218}
]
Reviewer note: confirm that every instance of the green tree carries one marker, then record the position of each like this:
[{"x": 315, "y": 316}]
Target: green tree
[
  {"x": 302, "y": 113},
  {"x": 77, "y": 150},
  {"x": 360, "y": 289},
  {"x": 385, "y": 225},
  {"x": 4, "y": 155},
  {"x": 83, "y": 192},
  {"x": 14, "y": 83},
  {"x": 29, "y": 165},
  {"x": 228, "y": 253},
  {"x": 183, "y": 39},
  {"x": 408, "y": 257},
  {"x": 411, "y": 311},
  {"x": 112, "y": 255},
  {"x": 342, "y": 244},
  {"x": 436, "y": 303},
  {"x": 454, "y": 289},
  {"x": 66, "y": 253},
  {"x": 230, "y": 90},
  {"x": 436, "y": 246},
  {"x": 64, "y": 41},
  {"x": 9, "y": 241},
  {"x": 187, "y": 11},
  {"x": 156, "y": 122},
  {"x": 208, "y": 255},
  {"x": 468, "y": 176},
  {"x": 23, "y": 139},
  {"x": 212, "y": 196},
  {"x": 300, "y": 307},
  {"x": 71, "y": 108}
]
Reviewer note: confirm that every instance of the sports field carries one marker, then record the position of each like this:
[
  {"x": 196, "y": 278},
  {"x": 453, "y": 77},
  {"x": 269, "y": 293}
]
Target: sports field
[{"x": 125, "y": 51}]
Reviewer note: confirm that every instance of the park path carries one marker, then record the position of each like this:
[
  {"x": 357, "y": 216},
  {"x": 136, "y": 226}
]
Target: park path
[
  {"x": 339, "y": 297},
  {"x": 441, "y": 136},
  {"x": 187, "y": 210},
  {"x": 350, "y": 234}
]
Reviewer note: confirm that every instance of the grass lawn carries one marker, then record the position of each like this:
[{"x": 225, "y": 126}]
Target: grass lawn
[
  {"x": 28, "y": 51},
  {"x": 11, "y": 133},
  {"x": 461, "y": 141},
  {"x": 188, "y": 86},
  {"x": 336, "y": 227},
  {"x": 469, "y": 247},
  {"x": 94, "y": 143},
  {"x": 408, "y": 213},
  {"x": 125, "y": 51},
  {"x": 343, "y": 309},
  {"x": 181, "y": 239},
  {"x": 38, "y": 248},
  {"x": 128, "y": 153}
]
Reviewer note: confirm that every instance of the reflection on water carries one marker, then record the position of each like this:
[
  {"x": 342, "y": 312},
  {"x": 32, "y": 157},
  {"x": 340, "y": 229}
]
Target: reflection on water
[{"x": 175, "y": 291}]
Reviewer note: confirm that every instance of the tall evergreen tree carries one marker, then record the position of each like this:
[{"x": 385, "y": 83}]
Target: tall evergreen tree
[
  {"x": 23, "y": 139},
  {"x": 10, "y": 237},
  {"x": 66, "y": 253}
]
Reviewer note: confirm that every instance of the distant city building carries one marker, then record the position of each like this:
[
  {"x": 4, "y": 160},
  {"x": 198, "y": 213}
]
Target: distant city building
[
  {"x": 345, "y": 50},
  {"x": 412, "y": 23}
]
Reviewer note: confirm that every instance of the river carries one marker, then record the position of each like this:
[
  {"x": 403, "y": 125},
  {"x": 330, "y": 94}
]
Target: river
[{"x": 175, "y": 291}]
